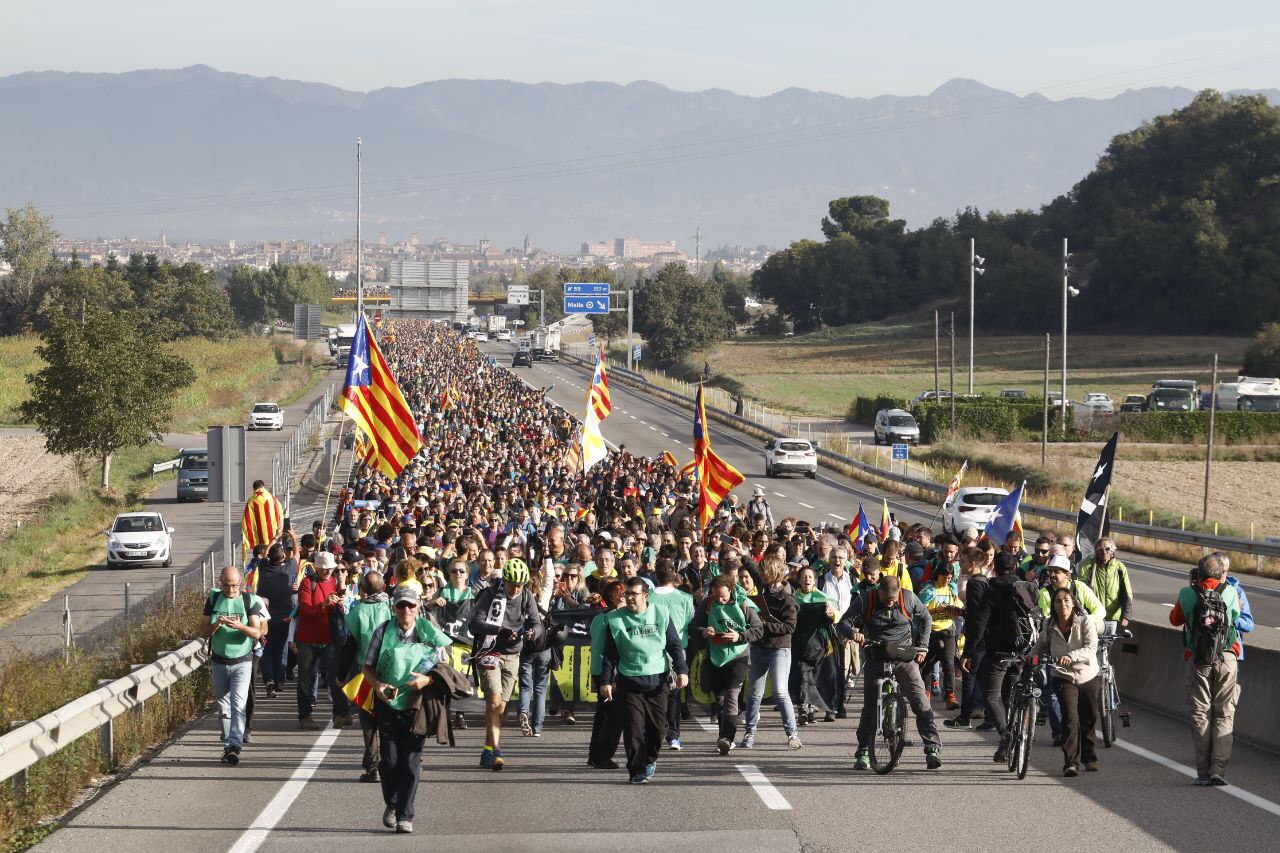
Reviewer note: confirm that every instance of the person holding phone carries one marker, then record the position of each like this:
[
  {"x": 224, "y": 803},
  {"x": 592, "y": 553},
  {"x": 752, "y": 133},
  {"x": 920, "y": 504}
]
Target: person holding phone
[
  {"x": 234, "y": 627},
  {"x": 729, "y": 626}
]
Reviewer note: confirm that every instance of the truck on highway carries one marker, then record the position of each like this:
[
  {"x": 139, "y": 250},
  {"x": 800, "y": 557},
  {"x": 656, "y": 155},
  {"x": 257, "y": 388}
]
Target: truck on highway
[
  {"x": 497, "y": 323},
  {"x": 1173, "y": 395},
  {"x": 340, "y": 345},
  {"x": 1254, "y": 394},
  {"x": 546, "y": 344}
]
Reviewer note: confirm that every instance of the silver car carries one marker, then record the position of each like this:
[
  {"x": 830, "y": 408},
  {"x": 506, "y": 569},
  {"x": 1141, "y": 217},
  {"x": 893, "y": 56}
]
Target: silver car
[
  {"x": 790, "y": 455},
  {"x": 896, "y": 426}
]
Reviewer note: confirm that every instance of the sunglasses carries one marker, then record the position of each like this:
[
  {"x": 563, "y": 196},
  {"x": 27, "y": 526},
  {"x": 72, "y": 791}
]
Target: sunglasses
[
  {"x": 1042, "y": 550},
  {"x": 405, "y": 604},
  {"x": 573, "y": 577}
]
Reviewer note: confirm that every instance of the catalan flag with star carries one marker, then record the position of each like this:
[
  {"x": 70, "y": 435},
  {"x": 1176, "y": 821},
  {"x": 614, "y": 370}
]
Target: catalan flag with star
[
  {"x": 716, "y": 478},
  {"x": 372, "y": 399}
]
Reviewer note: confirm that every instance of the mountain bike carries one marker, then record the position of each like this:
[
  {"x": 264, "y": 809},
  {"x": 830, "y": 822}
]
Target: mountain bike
[
  {"x": 1024, "y": 700},
  {"x": 890, "y": 736},
  {"x": 1108, "y": 692}
]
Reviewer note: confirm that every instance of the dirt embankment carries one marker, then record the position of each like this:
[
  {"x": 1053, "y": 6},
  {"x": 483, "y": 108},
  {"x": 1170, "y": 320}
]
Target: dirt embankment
[{"x": 30, "y": 476}]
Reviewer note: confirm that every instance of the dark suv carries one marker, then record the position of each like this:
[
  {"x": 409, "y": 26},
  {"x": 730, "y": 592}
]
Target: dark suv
[{"x": 523, "y": 358}]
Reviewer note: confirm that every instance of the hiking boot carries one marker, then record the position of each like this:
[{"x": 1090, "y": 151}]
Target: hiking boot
[
  {"x": 932, "y": 757},
  {"x": 308, "y": 725},
  {"x": 952, "y": 704},
  {"x": 748, "y": 740},
  {"x": 526, "y": 728},
  {"x": 862, "y": 761}
]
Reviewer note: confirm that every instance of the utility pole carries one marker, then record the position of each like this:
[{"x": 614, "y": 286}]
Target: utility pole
[
  {"x": 1066, "y": 256},
  {"x": 630, "y": 315},
  {"x": 697, "y": 251},
  {"x": 1044, "y": 432},
  {"x": 936, "y": 353},
  {"x": 953, "y": 371},
  {"x": 359, "y": 233},
  {"x": 542, "y": 308},
  {"x": 1208, "y": 455},
  {"x": 975, "y": 268}
]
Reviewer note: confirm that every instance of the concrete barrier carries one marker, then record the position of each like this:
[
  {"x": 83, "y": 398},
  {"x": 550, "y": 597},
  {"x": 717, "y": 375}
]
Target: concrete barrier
[{"x": 1151, "y": 672}]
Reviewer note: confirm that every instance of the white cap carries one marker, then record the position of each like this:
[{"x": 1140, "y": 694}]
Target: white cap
[{"x": 1058, "y": 561}]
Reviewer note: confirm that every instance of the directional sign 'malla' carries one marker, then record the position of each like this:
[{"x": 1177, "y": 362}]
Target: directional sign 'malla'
[
  {"x": 586, "y": 304},
  {"x": 586, "y": 288}
]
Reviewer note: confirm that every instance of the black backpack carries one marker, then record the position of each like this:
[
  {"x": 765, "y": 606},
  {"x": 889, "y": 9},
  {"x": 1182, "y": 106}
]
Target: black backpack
[{"x": 1209, "y": 627}]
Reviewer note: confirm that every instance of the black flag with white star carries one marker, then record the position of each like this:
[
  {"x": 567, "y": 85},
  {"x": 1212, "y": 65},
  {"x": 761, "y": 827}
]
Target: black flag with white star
[{"x": 1091, "y": 522}]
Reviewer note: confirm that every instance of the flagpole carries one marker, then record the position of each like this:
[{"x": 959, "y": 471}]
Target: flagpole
[{"x": 359, "y": 233}]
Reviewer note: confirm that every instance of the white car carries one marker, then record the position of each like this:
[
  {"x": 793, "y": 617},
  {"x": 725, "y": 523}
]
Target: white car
[
  {"x": 973, "y": 507},
  {"x": 795, "y": 455},
  {"x": 1098, "y": 402},
  {"x": 139, "y": 539},
  {"x": 504, "y": 334},
  {"x": 266, "y": 416}
]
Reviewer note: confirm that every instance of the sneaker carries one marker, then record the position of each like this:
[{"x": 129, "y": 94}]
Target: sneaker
[
  {"x": 862, "y": 761},
  {"x": 957, "y": 723},
  {"x": 986, "y": 726},
  {"x": 370, "y": 775},
  {"x": 748, "y": 740},
  {"x": 1202, "y": 780},
  {"x": 568, "y": 718},
  {"x": 498, "y": 763},
  {"x": 828, "y": 717},
  {"x": 389, "y": 817},
  {"x": 1217, "y": 780},
  {"x": 812, "y": 717},
  {"x": 840, "y": 715},
  {"x": 404, "y": 827},
  {"x": 308, "y": 725},
  {"x": 248, "y": 737},
  {"x": 684, "y": 713},
  {"x": 537, "y": 734},
  {"x": 1091, "y": 766},
  {"x": 724, "y": 745},
  {"x": 649, "y": 770},
  {"x": 1002, "y": 752},
  {"x": 271, "y": 689},
  {"x": 952, "y": 704},
  {"x": 230, "y": 756},
  {"x": 639, "y": 779},
  {"x": 486, "y": 758},
  {"x": 675, "y": 744},
  {"x": 608, "y": 764},
  {"x": 979, "y": 713},
  {"x": 932, "y": 757},
  {"x": 935, "y": 688},
  {"x": 793, "y": 742},
  {"x": 526, "y": 728},
  {"x": 460, "y": 721},
  {"x": 342, "y": 721},
  {"x": 1070, "y": 771}
]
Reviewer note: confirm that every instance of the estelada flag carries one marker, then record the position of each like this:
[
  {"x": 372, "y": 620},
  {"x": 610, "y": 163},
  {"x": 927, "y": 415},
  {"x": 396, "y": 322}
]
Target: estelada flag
[
  {"x": 669, "y": 459},
  {"x": 884, "y": 520},
  {"x": 263, "y": 517},
  {"x": 371, "y": 397},
  {"x": 716, "y": 477}
]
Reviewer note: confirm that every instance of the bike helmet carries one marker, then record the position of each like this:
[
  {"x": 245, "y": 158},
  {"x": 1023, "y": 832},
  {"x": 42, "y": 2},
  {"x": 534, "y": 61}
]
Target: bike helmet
[{"x": 515, "y": 570}]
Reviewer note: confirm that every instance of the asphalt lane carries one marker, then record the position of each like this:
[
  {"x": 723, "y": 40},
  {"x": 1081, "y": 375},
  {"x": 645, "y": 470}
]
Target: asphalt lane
[
  {"x": 648, "y": 426},
  {"x": 99, "y": 595}
]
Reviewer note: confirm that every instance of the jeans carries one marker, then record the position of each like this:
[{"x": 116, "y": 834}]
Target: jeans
[
  {"x": 273, "y": 657},
  {"x": 1049, "y": 703},
  {"x": 776, "y": 663},
  {"x": 231, "y": 683},
  {"x": 312, "y": 660},
  {"x": 535, "y": 675},
  {"x": 971, "y": 688},
  {"x": 401, "y": 760}
]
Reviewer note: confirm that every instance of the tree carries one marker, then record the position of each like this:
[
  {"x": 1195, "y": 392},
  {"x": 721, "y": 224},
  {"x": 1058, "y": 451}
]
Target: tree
[
  {"x": 1262, "y": 358},
  {"x": 859, "y": 214},
  {"x": 27, "y": 238},
  {"x": 264, "y": 296},
  {"x": 679, "y": 314},
  {"x": 103, "y": 387}
]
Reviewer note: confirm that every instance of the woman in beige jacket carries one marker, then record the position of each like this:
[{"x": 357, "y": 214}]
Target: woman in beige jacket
[{"x": 1070, "y": 641}]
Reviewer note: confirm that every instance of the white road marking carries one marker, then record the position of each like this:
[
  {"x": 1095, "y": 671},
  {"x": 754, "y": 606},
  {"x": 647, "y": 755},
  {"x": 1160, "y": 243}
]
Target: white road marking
[
  {"x": 654, "y": 428},
  {"x": 266, "y": 821},
  {"x": 805, "y": 505},
  {"x": 1167, "y": 603},
  {"x": 664, "y": 435},
  {"x": 633, "y": 417},
  {"x": 779, "y": 495},
  {"x": 771, "y": 796},
  {"x": 1239, "y": 793},
  {"x": 836, "y": 517},
  {"x": 707, "y": 725}
]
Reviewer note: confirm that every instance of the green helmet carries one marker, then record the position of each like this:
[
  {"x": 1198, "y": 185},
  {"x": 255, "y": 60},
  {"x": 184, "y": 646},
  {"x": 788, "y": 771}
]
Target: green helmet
[{"x": 515, "y": 570}]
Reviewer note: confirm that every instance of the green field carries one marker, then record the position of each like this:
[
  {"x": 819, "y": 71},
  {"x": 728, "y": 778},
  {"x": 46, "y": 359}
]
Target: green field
[{"x": 819, "y": 374}]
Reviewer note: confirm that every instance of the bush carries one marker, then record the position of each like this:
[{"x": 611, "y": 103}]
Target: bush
[
  {"x": 1193, "y": 427},
  {"x": 863, "y": 409},
  {"x": 1262, "y": 358}
]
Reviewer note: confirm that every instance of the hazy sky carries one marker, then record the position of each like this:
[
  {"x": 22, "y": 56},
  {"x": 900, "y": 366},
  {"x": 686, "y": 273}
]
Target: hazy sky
[{"x": 751, "y": 47}]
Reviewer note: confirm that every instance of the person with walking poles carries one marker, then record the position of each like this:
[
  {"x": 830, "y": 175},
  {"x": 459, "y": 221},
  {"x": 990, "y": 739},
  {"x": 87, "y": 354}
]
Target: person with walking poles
[
  {"x": 641, "y": 649},
  {"x": 235, "y": 624},
  {"x": 397, "y": 663},
  {"x": 1207, "y": 610}
]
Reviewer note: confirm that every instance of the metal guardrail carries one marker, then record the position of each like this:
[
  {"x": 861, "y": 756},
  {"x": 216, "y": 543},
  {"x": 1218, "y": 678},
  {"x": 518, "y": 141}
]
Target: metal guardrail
[
  {"x": 284, "y": 463},
  {"x": 1254, "y": 547},
  {"x": 28, "y": 744},
  {"x": 172, "y": 464}
]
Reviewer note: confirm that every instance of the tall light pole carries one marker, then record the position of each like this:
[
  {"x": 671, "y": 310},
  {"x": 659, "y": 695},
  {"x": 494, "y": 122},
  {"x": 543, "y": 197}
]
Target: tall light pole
[
  {"x": 975, "y": 266},
  {"x": 1067, "y": 292}
]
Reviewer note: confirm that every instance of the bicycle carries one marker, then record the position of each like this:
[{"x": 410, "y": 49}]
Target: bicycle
[
  {"x": 1108, "y": 692},
  {"x": 890, "y": 737},
  {"x": 1024, "y": 701}
]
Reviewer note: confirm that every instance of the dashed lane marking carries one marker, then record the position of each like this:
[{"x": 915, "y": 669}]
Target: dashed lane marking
[
  {"x": 266, "y": 821},
  {"x": 779, "y": 495},
  {"x": 805, "y": 505},
  {"x": 760, "y": 783}
]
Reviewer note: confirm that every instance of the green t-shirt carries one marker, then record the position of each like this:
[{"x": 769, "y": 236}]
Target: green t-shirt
[
  {"x": 227, "y": 644},
  {"x": 641, "y": 639},
  {"x": 722, "y": 618},
  {"x": 679, "y": 607},
  {"x": 453, "y": 596},
  {"x": 815, "y": 597},
  {"x": 363, "y": 618}
]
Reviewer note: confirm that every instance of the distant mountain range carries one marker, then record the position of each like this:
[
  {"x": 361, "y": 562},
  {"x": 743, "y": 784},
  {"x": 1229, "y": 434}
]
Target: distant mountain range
[{"x": 204, "y": 154}]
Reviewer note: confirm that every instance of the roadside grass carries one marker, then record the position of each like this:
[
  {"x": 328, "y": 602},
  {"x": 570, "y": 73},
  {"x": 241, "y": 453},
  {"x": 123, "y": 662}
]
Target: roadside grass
[
  {"x": 31, "y": 687},
  {"x": 819, "y": 374}
]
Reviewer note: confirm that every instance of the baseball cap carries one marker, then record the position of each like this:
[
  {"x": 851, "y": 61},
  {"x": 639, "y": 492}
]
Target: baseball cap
[
  {"x": 1058, "y": 561},
  {"x": 406, "y": 592},
  {"x": 915, "y": 551}
]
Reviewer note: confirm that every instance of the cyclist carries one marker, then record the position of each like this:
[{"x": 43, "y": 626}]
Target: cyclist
[
  {"x": 1109, "y": 579},
  {"x": 1070, "y": 640},
  {"x": 899, "y": 625}
]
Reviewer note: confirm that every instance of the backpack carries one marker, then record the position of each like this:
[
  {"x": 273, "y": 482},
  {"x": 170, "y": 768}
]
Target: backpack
[
  {"x": 1027, "y": 615},
  {"x": 1208, "y": 627}
]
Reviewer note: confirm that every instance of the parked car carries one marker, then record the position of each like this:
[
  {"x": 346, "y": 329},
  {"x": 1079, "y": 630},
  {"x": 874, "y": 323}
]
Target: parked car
[
  {"x": 973, "y": 507},
  {"x": 504, "y": 334},
  {"x": 795, "y": 455},
  {"x": 1134, "y": 403},
  {"x": 266, "y": 416},
  {"x": 1098, "y": 402},
  {"x": 522, "y": 358},
  {"x": 139, "y": 539},
  {"x": 896, "y": 426},
  {"x": 928, "y": 396},
  {"x": 193, "y": 474},
  {"x": 1013, "y": 394}
]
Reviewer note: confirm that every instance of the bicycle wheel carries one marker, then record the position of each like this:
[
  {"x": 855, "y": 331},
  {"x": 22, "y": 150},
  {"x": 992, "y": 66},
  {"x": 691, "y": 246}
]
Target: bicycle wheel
[
  {"x": 1107, "y": 713},
  {"x": 1022, "y": 747},
  {"x": 1014, "y": 731},
  {"x": 886, "y": 747}
]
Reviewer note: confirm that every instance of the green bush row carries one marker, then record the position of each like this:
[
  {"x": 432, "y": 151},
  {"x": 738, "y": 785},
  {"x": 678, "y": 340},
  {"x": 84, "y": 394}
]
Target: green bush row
[
  {"x": 863, "y": 409},
  {"x": 1193, "y": 427}
]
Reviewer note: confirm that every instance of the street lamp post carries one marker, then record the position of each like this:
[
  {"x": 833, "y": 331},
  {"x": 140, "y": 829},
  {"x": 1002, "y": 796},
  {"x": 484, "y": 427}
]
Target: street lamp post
[
  {"x": 975, "y": 266},
  {"x": 1067, "y": 292}
]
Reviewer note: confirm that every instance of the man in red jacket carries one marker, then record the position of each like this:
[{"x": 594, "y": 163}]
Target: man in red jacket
[{"x": 318, "y": 599}]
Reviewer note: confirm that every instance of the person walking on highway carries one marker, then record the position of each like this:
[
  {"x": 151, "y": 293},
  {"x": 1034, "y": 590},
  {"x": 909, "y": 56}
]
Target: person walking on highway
[
  {"x": 234, "y": 626},
  {"x": 504, "y": 618},
  {"x": 362, "y": 620},
  {"x": 605, "y": 727},
  {"x": 941, "y": 599},
  {"x": 1109, "y": 579},
  {"x": 1070, "y": 641},
  {"x": 758, "y": 507},
  {"x": 729, "y": 628},
  {"x": 639, "y": 641},
  {"x": 319, "y": 601},
  {"x": 275, "y": 586},
  {"x": 837, "y": 584},
  {"x": 1208, "y": 610},
  {"x": 679, "y": 606},
  {"x": 897, "y": 626},
  {"x": 770, "y": 656}
]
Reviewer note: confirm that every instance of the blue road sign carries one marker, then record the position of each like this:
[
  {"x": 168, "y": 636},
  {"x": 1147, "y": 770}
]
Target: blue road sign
[
  {"x": 586, "y": 304},
  {"x": 900, "y": 452},
  {"x": 591, "y": 341},
  {"x": 586, "y": 288},
  {"x": 635, "y": 353}
]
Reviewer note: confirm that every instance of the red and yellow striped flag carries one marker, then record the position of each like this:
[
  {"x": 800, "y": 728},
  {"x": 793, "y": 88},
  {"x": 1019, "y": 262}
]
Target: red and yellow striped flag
[
  {"x": 360, "y": 692},
  {"x": 598, "y": 396},
  {"x": 669, "y": 459},
  {"x": 371, "y": 397},
  {"x": 716, "y": 478},
  {"x": 263, "y": 517}
]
